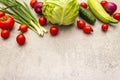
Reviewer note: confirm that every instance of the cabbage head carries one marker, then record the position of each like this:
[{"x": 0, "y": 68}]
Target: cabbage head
[{"x": 61, "y": 12}]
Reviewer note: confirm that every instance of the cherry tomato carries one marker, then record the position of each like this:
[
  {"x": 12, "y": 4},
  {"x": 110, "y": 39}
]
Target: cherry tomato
[
  {"x": 103, "y": 2},
  {"x": 104, "y": 27},
  {"x": 83, "y": 4},
  {"x": 2, "y": 14},
  {"x": 42, "y": 21},
  {"x": 116, "y": 16},
  {"x": 81, "y": 24},
  {"x": 5, "y": 34},
  {"x": 7, "y": 22},
  {"x": 23, "y": 28},
  {"x": 32, "y": 3},
  {"x": 54, "y": 30},
  {"x": 20, "y": 39},
  {"x": 87, "y": 29}
]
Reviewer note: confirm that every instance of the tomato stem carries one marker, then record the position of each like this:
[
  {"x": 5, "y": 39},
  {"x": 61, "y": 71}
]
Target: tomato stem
[{"x": 4, "y": 18}]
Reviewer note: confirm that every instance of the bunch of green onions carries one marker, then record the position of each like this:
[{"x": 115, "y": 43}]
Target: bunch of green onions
[{"x": 22, "y": 15}]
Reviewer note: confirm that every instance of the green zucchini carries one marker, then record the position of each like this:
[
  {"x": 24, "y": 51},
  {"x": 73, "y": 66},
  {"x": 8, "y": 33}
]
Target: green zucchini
[{"x": 87, "y": 15}]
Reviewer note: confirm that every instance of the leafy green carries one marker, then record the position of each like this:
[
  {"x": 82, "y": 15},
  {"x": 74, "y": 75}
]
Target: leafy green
[{"x": 61, "y": 12}]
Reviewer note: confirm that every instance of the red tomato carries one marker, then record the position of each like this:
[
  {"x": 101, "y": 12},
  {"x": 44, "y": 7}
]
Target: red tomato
[
  {"x": 54, "y": 30},
  {"x": 83, "y": 4},
  {"x": 116, "y": 16},
  {"x": 42, "y": 21},
  {"x": 7, "y": 22},
  {"x": 20, "y": 39},
  {"x": 81, "y": 24},
  {"x": 23, "y": 28},
  {"x": 103, "y": 2},
  {"x": 32, "y": 3},
  {"x": 5, "y": 34},
  {"x": 2, "y": 14},
  {"x": 87, "y": 29},
  {"x": 104, "y": 27}
]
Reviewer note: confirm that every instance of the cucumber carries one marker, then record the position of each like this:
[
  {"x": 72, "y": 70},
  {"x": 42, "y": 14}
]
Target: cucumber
[{"x": 87, "y": 15}]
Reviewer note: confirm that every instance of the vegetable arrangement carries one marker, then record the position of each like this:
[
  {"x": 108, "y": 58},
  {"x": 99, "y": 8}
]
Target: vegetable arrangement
[
  {"x": 100, "y": 12},
  {"x": 6, "y": 24},
  {"x": 26, "y": 17},
  {"x": 104, "y": 11},
  {"x": 57, "y": 12}
]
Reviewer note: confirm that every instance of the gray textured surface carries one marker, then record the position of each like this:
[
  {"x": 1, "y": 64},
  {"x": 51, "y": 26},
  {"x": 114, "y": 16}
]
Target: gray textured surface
[{"x": 72, "y": 55}]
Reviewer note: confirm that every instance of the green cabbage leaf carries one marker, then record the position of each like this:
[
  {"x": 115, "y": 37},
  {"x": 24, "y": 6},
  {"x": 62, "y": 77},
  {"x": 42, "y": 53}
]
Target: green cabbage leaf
[{"x": 61, "y": 12}]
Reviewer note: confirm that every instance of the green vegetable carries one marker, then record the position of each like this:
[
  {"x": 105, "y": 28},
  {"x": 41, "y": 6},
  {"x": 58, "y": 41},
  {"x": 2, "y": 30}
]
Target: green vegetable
[
  {"x": 100, "y": 12},
  {"x": 22, "y": 15},
  {"x": 61, "y": 12},
  {"x": 87, "y": 15}
]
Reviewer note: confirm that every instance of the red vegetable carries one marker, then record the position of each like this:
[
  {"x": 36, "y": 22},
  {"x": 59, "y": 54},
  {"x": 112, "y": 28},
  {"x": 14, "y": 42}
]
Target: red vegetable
[
  {"x": 87, "y": 29},
  {"x": 23, "y": 28},
  {"x": 7, "y": 22},
  {"x": 2, "y": 14},
  {"x": 20, "y": 39},
  {"x": 5, "y": 34},
  {"x": 38, "y": 7},
  {"x": 104, "y": 27},
  {"x": 32, "y": 3},
  {"x": 116, "y": 16},
  {"x": 110, "y": 7},
  {"x": 83, "y": 4},
  {"x": 103, "y": 2},
  {"x": 54, "y": 30},
  {"x": 42, "y": 21},
  {"x": 81, "y": 24}
]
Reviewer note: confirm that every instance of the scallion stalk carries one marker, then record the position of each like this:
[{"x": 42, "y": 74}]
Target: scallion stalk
[{"x": 22, "y": 14}]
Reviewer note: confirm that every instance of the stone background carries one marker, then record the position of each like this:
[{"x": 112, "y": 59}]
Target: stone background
[{"x": 72, "y": 55}]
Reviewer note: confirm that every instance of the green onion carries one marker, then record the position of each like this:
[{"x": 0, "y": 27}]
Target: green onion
[{"x": 22, "y": 14}]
